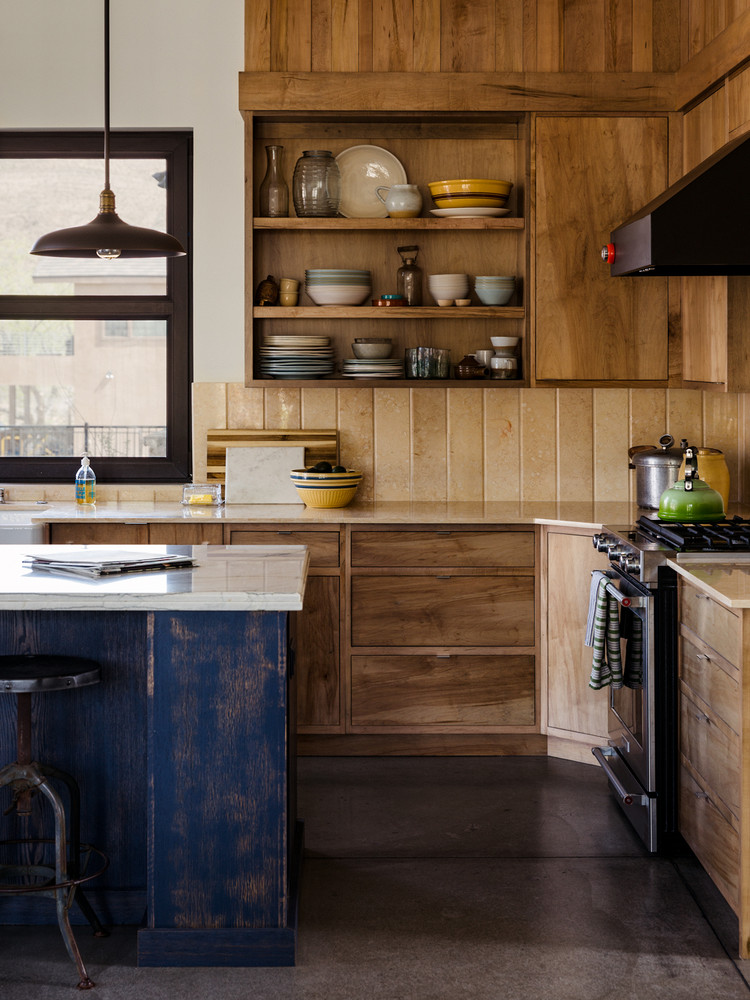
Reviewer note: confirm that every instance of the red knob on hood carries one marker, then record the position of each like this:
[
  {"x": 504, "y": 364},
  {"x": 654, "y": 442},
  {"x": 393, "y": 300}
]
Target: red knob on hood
[{"x": 608, "y": 253}]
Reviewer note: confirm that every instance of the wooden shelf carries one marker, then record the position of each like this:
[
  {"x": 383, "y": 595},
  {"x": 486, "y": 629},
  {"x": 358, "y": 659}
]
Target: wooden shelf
[
  {"x": 338, "y": 382},
  {"x": 389, "y": 312},
  {"x": 435, "y": 224}
]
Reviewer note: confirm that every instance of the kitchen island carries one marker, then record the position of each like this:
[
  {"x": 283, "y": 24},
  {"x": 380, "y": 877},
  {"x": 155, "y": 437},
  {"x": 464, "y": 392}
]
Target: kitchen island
[{"x": 185, "y": 751}]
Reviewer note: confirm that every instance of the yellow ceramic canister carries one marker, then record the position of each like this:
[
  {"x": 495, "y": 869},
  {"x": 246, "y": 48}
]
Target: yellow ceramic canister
[{"x": 712, "y": 469}]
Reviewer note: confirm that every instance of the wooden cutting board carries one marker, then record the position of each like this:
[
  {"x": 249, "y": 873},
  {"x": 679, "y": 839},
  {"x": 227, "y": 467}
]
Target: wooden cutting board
[{"x": 319, "y": 445}]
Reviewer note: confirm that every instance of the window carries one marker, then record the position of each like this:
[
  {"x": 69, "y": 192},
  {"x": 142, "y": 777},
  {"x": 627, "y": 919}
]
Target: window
[{"x": 95, "y": 355}]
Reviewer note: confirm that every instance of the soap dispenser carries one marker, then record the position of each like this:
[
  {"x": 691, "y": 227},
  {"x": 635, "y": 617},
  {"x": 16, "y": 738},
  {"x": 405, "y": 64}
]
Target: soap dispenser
[{"x": 85, "y": 483}]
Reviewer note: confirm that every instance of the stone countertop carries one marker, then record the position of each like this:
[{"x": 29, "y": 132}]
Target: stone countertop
[
  {"x": 725, "y": 578},
  {"x": 225, "y": 578},
  {"x": 567, "y": 513}
]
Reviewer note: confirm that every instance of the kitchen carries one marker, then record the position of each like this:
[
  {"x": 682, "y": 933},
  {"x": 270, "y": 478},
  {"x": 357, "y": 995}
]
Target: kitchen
[{"x": 543, "y": 443}]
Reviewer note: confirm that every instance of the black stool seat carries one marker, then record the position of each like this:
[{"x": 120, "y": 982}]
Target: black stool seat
[{"x": 29, "y": 672}]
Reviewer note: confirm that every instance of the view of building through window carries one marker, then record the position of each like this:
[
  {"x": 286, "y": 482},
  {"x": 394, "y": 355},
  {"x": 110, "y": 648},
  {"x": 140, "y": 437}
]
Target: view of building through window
[{"x": 71, "y": 384}]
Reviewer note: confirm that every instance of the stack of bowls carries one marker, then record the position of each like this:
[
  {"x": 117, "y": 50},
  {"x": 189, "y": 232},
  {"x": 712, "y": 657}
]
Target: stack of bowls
[
  {"x": 326, "y": 489},
  {"x": 494, "y": 289},
  {"x": 448, "y": 287},
  {"x": 369, "y": 348},
  {"x": 470, "y": 192},
  {"x": 338, "y": 286}
]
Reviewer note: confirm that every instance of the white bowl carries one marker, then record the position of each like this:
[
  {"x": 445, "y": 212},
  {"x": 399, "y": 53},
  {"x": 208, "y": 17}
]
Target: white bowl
[
  {"x": 338, "y": 295},
  {"x": 494, "y": 296},
  {"x": 504, "y": 341},
  {"x": 369, "y": 351}
]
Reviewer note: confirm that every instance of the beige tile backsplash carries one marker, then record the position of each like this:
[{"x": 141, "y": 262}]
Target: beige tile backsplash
[{"x": 492, "y": 444}]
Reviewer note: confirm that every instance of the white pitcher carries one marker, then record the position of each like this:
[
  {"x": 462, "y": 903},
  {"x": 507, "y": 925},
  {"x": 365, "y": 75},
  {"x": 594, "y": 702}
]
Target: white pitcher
[{"x": 402, "y": 201}]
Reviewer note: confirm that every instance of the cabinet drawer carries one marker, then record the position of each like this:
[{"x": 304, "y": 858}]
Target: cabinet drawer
[
  {"x": 104, "y": 533},
  {"x": 715, "y": 624},
  {"x": 448, "y": 611},
  {"x": 712, "y": 749},
  {"x": 323, "y": 545},
  {"x": 443, "y": 548},
  {"x": 712, "y": 679},
  {"x": 459, "y": 690},
  {"x": 711, "y": 836}
]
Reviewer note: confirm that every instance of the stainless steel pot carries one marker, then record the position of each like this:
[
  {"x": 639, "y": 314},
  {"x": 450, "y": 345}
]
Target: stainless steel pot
[{"x": 656, "y": 469}]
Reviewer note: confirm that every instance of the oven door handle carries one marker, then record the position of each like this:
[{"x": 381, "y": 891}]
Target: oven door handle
[
  {"x": 634, "y": 601},
  {"x": 627, "y": 798}
]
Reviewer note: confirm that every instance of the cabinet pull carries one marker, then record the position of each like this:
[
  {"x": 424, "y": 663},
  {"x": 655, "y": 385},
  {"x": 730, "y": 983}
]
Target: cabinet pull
[
  {"x": 443, "y": 656},
  {"x": 442, "y": 578},
  {"x": 283, "y": 532},
  {"x": 703, "y": 656},
  {"x": 443, "y": 532}
]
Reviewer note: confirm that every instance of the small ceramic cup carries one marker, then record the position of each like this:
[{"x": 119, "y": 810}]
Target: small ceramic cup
[
  {"x": 483, "y": 357},
  {"x": 289, "y": 285},
  {"x": 288, "y": 298}
]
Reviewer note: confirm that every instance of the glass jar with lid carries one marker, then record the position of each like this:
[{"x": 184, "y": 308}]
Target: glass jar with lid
[{"x": 316, "y": 185}]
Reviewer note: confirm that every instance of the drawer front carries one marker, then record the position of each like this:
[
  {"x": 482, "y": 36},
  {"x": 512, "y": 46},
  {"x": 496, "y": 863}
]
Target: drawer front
[
  {"x": 323, "y": 545},
  {"x": 443, "y": 548},
  {"x": 712, "y": 679},
  {"x": 449, "y": 611},
  {"x": 713, "y": 750},
  {"x": 716, "y": 625},
  {"x": 459, "y": 690},
  {"x": 711, "y": 836},
  {"x": 104, "y": 533}
]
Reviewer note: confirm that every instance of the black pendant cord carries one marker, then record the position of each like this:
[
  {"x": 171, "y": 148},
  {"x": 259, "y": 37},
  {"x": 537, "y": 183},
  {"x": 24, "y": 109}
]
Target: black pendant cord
[{"x": 106, "y": 95}]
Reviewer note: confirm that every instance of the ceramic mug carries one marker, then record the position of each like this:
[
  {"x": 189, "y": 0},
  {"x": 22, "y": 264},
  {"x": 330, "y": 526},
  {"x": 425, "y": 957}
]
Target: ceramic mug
[
  {"x": 403, "y": 201},
  {"x": 288, "y": 298},
  {"x": 289, "y": 285},
  {"x": 484, "y": 357}
]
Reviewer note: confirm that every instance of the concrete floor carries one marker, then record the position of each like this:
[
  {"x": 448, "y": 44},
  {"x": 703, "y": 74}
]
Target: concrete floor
[{"x": 433, "y": 878}]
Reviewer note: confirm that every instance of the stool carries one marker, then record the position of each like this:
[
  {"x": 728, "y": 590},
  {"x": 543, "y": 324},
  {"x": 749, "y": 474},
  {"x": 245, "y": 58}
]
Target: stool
[{"x": 21, "y": 675}]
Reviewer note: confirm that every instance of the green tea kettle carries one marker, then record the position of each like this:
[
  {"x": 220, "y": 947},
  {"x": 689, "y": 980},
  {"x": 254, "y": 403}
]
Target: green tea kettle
[{"x": 690, "y": 499}]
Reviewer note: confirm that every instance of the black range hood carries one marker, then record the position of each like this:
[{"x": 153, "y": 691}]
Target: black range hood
[{"x": 700, "y": 225}]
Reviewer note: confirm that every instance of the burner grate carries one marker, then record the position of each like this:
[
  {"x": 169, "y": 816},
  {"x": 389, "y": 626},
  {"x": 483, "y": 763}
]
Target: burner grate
[{"x": 718, "y": 536}]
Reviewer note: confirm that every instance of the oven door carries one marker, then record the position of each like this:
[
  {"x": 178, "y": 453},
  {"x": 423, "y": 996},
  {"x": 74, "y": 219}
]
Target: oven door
[{"x": 629, "y": 759}]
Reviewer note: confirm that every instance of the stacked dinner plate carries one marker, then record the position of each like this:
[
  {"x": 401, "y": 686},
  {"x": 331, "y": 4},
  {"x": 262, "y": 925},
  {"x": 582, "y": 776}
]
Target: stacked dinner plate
[
  {"x": 294, "y": 356},
  {"x": 372, "y": 368},
  {"x": 338, "y": 286}
]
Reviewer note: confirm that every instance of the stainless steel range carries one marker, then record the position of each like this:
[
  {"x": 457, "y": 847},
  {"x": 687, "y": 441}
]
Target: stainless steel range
[{"x": 640, "y": 759}]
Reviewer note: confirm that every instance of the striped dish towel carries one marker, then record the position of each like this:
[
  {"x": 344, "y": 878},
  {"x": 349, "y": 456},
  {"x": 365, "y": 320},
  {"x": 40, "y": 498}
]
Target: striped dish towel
[
  {"x": 634, "y": 655},
  {"x": 597, "y": 575},
  {"x": 606, "y": 668}
]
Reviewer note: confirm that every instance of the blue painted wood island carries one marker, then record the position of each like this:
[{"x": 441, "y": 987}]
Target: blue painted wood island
[{"x": 185, "y": 751}]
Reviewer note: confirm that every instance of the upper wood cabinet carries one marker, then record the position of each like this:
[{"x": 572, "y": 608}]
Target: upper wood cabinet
[{"x": 591, "y": 174}]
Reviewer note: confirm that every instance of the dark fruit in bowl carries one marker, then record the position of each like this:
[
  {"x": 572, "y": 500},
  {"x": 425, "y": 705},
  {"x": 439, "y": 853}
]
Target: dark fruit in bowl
[
  {"x": 338, "y": 468},
  {"x": 322, "y": 467}
]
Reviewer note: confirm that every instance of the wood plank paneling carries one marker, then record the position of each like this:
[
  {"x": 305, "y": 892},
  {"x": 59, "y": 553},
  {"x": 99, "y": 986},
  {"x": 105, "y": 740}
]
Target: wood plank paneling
[{"x": 465, "y": 46}]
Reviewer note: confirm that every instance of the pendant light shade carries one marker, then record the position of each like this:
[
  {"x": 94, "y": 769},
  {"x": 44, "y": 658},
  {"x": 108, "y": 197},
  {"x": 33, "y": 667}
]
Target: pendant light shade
[{"x": 107, "y": 236}]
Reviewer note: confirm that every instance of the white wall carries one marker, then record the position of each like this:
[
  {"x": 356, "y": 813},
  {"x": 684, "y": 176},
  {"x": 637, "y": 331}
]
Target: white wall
[{"x": 174, "y": 64}]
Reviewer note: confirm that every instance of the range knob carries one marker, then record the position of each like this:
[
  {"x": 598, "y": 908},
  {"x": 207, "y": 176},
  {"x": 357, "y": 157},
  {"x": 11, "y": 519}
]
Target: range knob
[
  {"x": 630, "y": 563},
  {"x": 602, "y": 542},
  {"x": 608, "y": 253}
]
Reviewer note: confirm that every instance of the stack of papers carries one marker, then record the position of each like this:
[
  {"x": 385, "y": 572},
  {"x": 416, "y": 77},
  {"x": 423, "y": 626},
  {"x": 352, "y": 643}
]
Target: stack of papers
[{"x": 82, "y": 563}]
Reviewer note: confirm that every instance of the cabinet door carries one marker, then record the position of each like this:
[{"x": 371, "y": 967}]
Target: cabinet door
[
  {"x": 317, "y": 663},
  {"x": 591, "y": 174},
  {"x": 572, "y": 706}
]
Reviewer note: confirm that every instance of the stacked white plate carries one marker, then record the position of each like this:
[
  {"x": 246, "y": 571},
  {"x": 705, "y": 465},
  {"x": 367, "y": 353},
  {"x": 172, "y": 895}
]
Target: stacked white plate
[
  {"x": 494, "y": 289},
  {"x": 294, "y": 356},
  {"x": 372, "y": 368},
  {"x": 338, "y": 286},
  {"x": 448, "y": 286}
]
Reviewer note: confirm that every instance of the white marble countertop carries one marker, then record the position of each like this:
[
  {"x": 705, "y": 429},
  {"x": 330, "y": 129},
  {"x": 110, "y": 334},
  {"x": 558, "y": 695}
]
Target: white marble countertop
[
  {"x": 566, "y": 513},
  {"x": 725, "y": 578},
  {"x": 225, "y": 578}
]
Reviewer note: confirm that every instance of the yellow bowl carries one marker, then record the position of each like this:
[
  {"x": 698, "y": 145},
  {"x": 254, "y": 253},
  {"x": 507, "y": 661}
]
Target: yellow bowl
[
  {"x": 470, "y": 185},
  {"x": 468, "y": 201},
  {"x": 327, "y": 496}
]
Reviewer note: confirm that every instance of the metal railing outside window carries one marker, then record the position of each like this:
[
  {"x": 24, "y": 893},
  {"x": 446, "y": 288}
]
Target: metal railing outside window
[{"x": 27, "y": 440}]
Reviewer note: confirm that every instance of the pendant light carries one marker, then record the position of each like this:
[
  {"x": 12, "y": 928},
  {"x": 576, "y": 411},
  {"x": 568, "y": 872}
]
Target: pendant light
[{"x": 107, "y": 236}]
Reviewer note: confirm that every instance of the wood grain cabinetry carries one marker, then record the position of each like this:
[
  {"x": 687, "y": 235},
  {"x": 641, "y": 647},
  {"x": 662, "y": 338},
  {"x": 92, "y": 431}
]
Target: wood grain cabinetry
[
  {"x": 591, "y": 174},
  {"x": 318, "y": 658},
  {"x": 576, "y": 714},
  {"x": 710, "y": 794},
  {"x": 429, "y": 149},
  {"x": 443, "y": 630}
]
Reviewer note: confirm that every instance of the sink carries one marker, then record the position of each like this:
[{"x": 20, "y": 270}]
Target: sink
[{"x": 17, "y": 528}]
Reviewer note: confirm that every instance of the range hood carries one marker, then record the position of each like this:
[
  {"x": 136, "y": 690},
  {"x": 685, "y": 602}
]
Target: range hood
[{"x": 700, "y": 225}]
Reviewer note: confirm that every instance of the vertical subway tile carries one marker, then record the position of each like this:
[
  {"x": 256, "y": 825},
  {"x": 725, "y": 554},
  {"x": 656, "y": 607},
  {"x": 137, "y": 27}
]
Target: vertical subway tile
[
  {"x": 428, "y": 444},
  {"x": 684, "y": 415},
  {"x": 282, "y": 409},
  {"x": 575, "y": 468},
  {"x": 502, "y": 444},
  {"x": 465, "y": 444},
  {"x": 244, "y": 406},
  {"x": 318, "y": 409},
  {"x": 538, "y": 445},
  {"x": 209, "y": 410},
  {"x": 611, "y": 440},
  {"x": 356, "y": 435},
  {"x": 721, "y": 430},
  {"x": 392, "y": 465}
]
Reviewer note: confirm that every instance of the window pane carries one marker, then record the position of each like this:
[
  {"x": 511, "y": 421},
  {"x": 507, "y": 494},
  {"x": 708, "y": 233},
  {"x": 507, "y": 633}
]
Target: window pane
[
  {"x": 68, "y": 386},
  {"x": 38, "y": 196}
]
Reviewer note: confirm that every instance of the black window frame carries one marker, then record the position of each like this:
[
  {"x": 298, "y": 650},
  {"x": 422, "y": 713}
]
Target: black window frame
[{"x": 175, "y": 307}]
